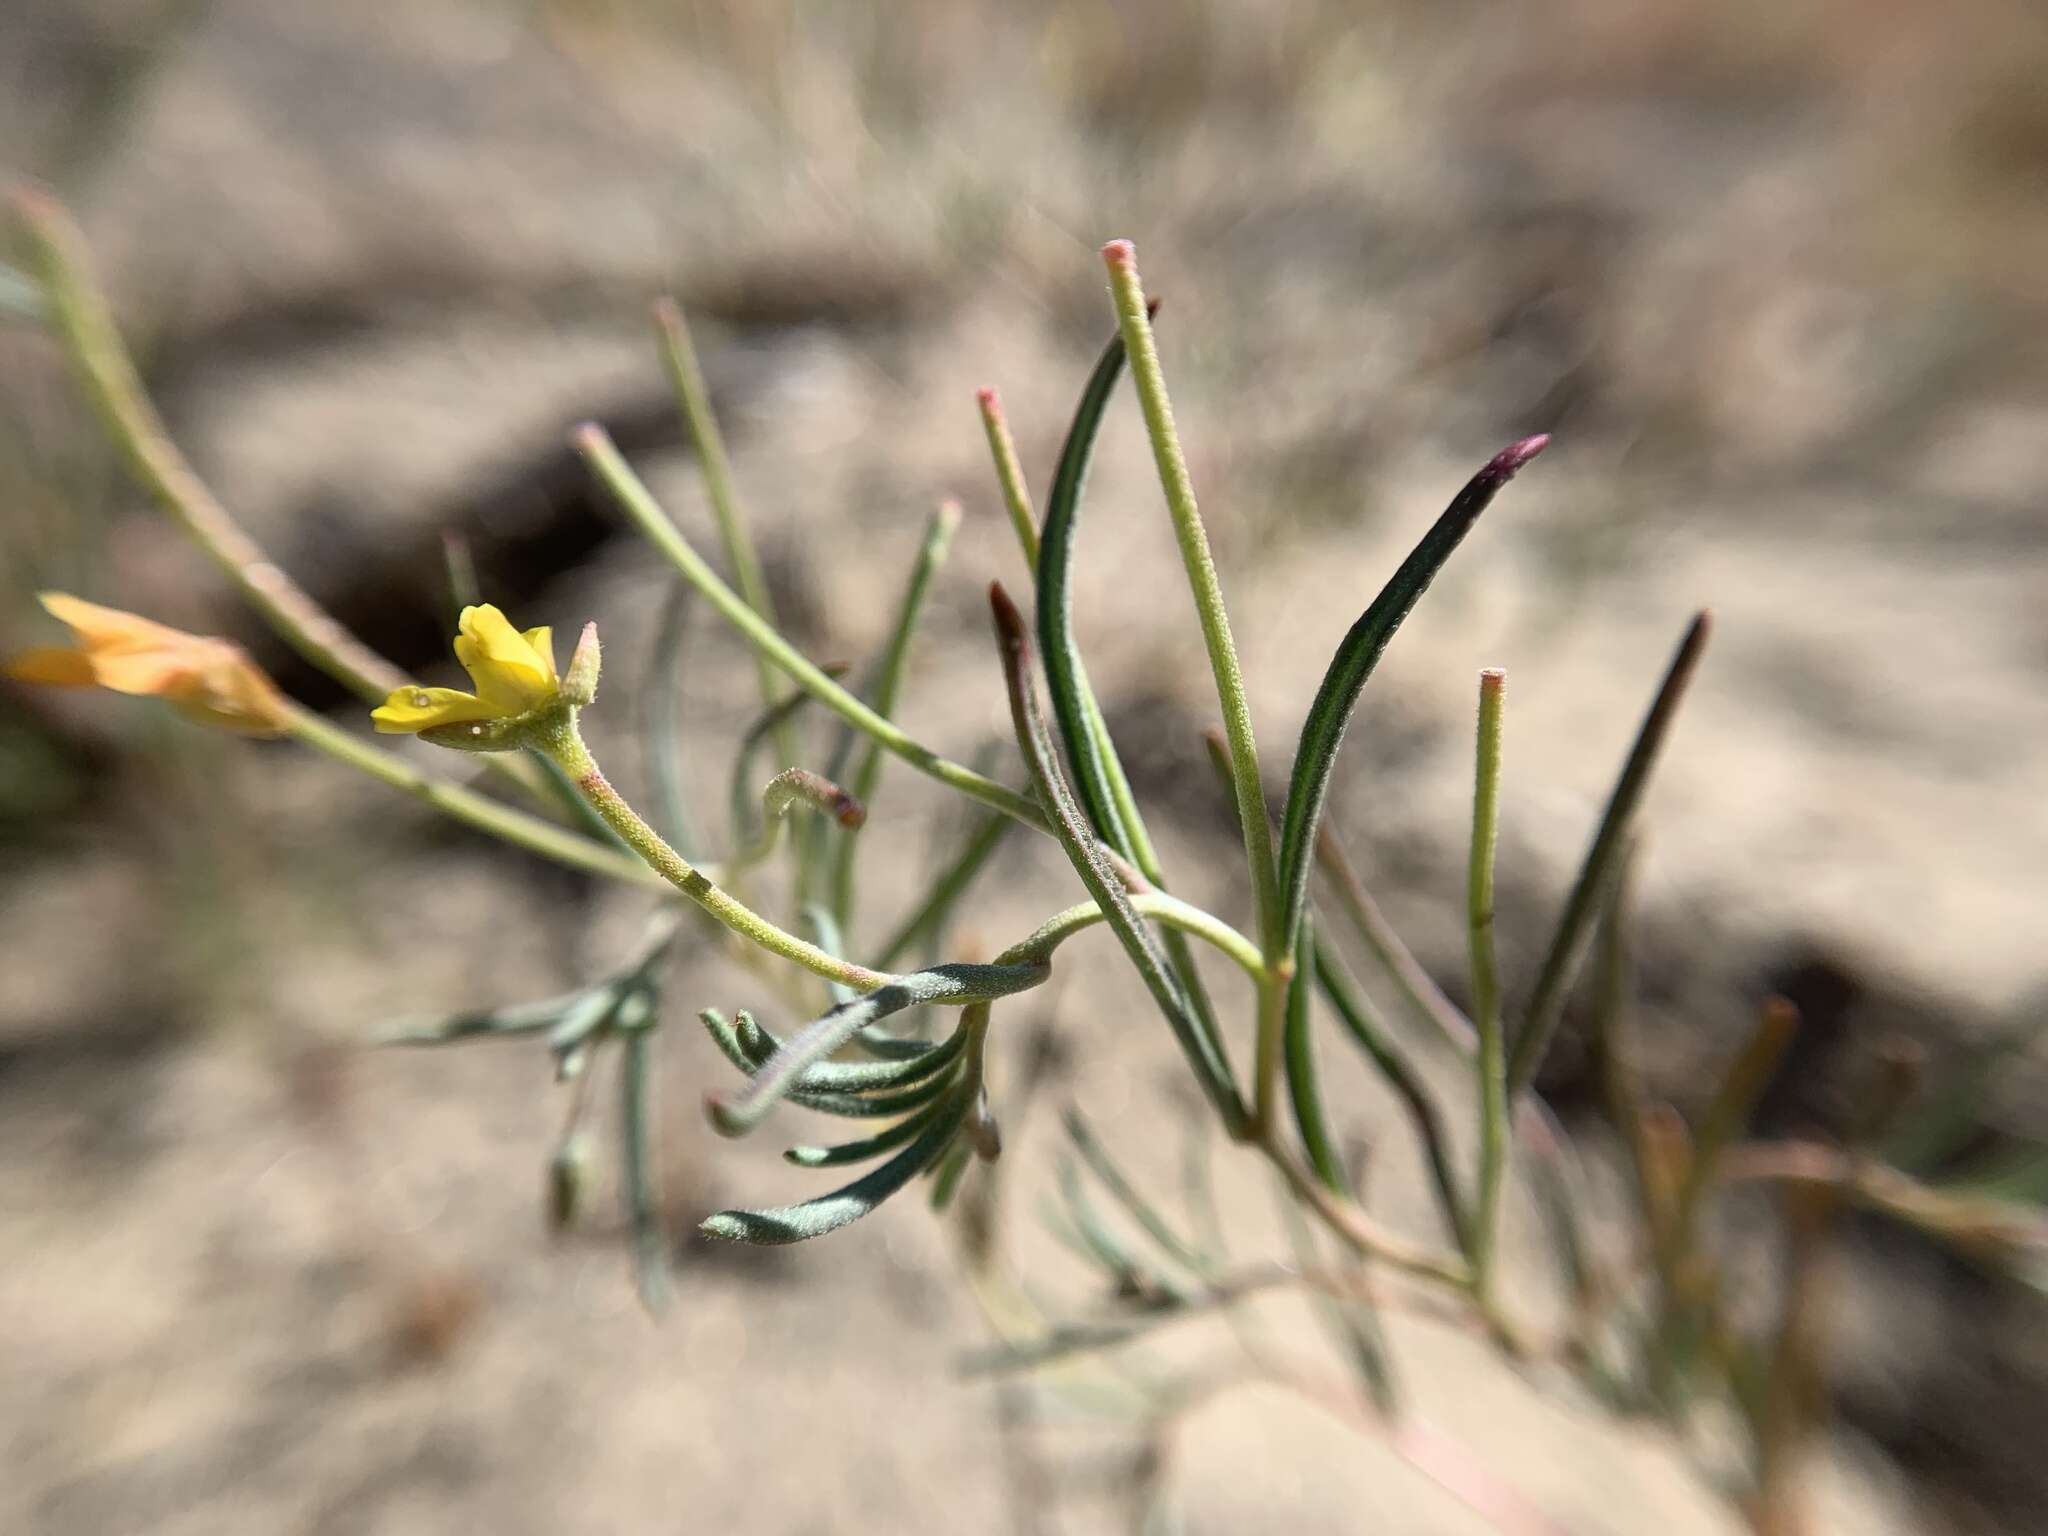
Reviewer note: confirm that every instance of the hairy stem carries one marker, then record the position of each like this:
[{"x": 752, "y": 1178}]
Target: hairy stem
[{"x": 567, "y": 749}]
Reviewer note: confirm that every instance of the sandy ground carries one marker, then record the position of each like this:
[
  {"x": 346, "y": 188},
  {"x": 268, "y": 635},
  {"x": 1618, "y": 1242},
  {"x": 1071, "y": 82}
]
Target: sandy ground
[{"x": 1764, "y": 279}]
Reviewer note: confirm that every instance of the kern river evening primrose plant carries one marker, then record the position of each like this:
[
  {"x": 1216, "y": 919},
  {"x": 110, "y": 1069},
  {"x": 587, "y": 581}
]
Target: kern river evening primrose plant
[{"x": 1649, "y": 1325}]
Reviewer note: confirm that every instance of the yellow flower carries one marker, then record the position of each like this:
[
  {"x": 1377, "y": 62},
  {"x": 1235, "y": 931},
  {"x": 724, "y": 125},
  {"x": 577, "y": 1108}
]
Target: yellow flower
[
  {"x": 208, "y": 679},
  {"x": 514, "y": 675}
]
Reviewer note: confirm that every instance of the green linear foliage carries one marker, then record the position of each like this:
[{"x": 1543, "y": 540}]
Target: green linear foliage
[
  {"x": 638, "y": 1188},
  {"x": 1125, "y": 1193},
  {"x": 1323, "y": 732},
  {"x": 922, "y": 1109},
  {"x": 919, "y": 1060},
  {"x": 883, "y": 693},
  {"x": 1303, "y": 1089},
  {"x": 807, "y": 1219},
  {"x": 661, "y": 724},
  {"x": 947, "y": 889},
  {"x": 1424, "y": 1114},
  {"x": 1099, "y": 780},
  {"x": 1090, "y": 752},
  {"x": 1603, "y": 858},
  {"x": 937, "y": 1131},
  {"x": 1084, "y": 852},
  {"x": 786, "y": 1068},
  {"x": 864, "y": 1150}
]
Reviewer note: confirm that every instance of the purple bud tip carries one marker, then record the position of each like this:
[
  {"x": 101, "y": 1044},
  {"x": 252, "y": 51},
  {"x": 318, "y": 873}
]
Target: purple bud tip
[
  {"x": 1515, "y": 455},
  {"x": 1120, "y": 253}
]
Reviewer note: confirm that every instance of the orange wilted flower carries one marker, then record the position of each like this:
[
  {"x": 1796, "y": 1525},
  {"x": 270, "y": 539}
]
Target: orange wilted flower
[{"x": 209, "y": 679}]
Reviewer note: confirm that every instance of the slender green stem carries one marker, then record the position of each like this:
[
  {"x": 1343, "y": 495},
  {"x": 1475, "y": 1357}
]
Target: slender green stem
[
  {"x": 1002, "y": 448},
  {"x": 1150, "y": 380},
  {"x": 1424, "y": 997},
  {"x": 645, "y": 513},
  {"x": 686, "y": 376},
  {"x": 1492, "y": 1063},
  {"x": 85, "y": 326},
  {"x": 888, "y": 687},
  {"x": 1156, "y": 905},
  {"x": 487, "y": 815},
  {"x": 567, "y": 749}
]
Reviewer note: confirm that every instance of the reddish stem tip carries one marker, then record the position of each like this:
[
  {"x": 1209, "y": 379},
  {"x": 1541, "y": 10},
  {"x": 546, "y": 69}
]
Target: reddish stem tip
[
  {"x": 1493, "y": 679},
  {"x": 1515, "y": 455},
  {"x": 991, "y": 402},
  {"x": 589, "y": 435},
  {"x": 1120, "y": 253},
  {"x": 1009, "y": 622},
  {"x": 667, "y": 311}
]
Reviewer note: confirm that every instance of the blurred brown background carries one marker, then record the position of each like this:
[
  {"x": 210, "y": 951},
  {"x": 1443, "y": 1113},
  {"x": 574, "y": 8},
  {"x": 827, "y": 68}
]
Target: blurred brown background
[{"x": 1772, "y": 273}]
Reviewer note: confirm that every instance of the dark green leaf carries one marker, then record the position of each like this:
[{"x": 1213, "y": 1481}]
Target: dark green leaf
[
  {"x": 1074, "y": 708},
  {"x": 1400, "y": 1074},
  {"x": 1603, "y": 857},
  {"x": 1303, "y": 1089},
  {"x": 1323, "y": 732}
]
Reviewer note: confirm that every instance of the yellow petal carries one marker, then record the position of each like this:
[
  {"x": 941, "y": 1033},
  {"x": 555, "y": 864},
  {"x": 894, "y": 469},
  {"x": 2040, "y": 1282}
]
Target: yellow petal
[
  {"x": 53, "y": 665},
  {"x": 543, "y": 642},
  {"x": 99, "y": 628},
  {"x": 208, "y": 678},
  {"x": 510, "y": 675},
  {"x": 415, "y": 709}
]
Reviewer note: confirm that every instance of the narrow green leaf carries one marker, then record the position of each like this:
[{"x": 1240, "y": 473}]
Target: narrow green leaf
[
  {"x": 1099, "y": 780},
  {"x": 1323, "y": 732},
  {"x": 643, "y": 1215},
  {"x": 1400, "y": 1074},
  {"x": 865, "y": 1149},
  {"x": 661, "y": 724},
  {"x": 827, "y": 1213},
  {"x": 1302, "y": 1086},
  {"x": 886, "y": 689},
  {"x": 1085, "y": 853},
  {"x": 946, "y": 1175},
  {"x": 1575, "y": 924},
  {"x": 1140, "y": 1210},
  {"x": 1075, "y": 711},
  {"x": 735, "y": 1116},
  {"x": 513, "y": 1019},
  {"x": 914, "y": 1066}
]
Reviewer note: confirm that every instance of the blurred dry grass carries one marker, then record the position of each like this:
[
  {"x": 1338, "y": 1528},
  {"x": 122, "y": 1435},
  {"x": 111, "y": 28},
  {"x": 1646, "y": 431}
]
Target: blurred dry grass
[{"x": 1773, "y": 272}]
